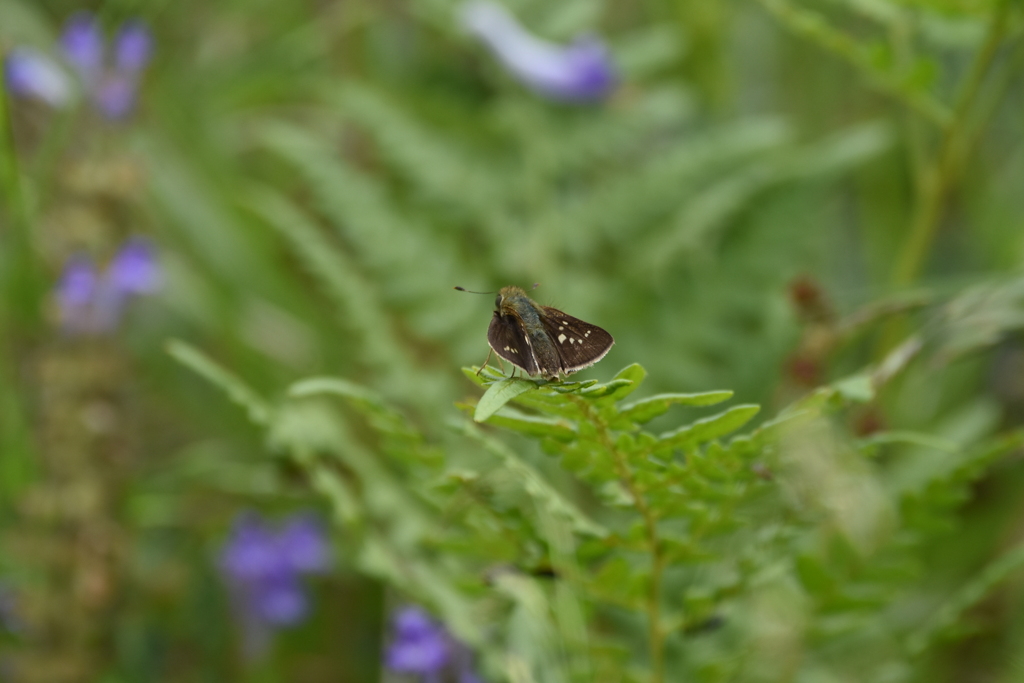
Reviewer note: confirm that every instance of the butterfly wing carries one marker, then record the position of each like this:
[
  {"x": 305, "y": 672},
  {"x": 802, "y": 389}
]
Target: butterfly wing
[
  {"x": 579, "y": 344},
  {"x": 508, "y": 338}
]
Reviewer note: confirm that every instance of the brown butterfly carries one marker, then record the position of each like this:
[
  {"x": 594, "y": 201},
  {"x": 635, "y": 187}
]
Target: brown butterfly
[{"x": 543, "y": 340}]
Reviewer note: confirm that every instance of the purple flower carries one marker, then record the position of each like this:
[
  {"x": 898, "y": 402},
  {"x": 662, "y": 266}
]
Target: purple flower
[
  {"x": 251, "y": 552},
  {"x": 263, "y": 567},
  {"x": 132, "y": 47},
  {"x": 581, "y": 71},
  {"x": 134, "y": 268},
  {"x": 82, "y": 45},
  {"x": 112, "y": 88},
  {"x": 420, "y": 645},
  {"x": 304, "y": 544},
  {"x": 31, "y": 74},
  {"x": 90, "y": 302},
  {"x": 75, "y": 293},
  {"x": 78, "y": 283}
]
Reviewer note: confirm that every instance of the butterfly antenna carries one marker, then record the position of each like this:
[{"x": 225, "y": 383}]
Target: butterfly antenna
[{"x": 463, "y": 289}]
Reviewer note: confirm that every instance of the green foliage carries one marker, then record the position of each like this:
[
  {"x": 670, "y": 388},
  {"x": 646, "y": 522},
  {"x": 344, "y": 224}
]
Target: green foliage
[
  {"x": 498, "y": 394},
  {"x": 686, "y": 533},
  {"x": 815, "y": 203}
]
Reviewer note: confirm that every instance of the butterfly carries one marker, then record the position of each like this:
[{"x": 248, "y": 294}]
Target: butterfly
[{"x": 542, "y": 340}]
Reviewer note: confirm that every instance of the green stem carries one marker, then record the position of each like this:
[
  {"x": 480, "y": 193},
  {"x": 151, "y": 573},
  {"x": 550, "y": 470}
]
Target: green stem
[
  {"x": 655, "y": 629},
  {"x": 954, "y": 146},
  {"x": 22, "y": 274},
  {"x": 19, "y": 287},
  {"x": 8, "y": 159},
  {"x": 816, "y": 29},
  {"x": 901, "y": 39},
  {"x": 656, "y": 634}
]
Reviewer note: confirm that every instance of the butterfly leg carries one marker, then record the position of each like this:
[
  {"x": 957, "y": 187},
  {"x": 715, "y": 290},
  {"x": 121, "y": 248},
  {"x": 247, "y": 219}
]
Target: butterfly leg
[{"x": 481, "y": 368}]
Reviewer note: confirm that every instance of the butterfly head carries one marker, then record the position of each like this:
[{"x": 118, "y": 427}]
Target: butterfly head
[
  {"x": 513, "y": 301},
  {"x": 511, "y": 298}
]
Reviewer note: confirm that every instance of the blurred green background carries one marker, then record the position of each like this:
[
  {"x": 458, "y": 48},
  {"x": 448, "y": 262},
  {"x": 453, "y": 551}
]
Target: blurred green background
[{"x": 776, "y": 195}]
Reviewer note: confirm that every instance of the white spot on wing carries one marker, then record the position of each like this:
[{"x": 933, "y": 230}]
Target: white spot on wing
[
  {"x": 561, "y": 337},
  {"x": 576, "y": 368}
]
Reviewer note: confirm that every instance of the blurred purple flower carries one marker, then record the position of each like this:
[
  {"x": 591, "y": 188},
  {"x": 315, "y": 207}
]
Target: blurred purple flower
[
  {"x": 31, "y": 74},
  {"x": 263, "y": 567},
  {"x": 134, "y": 268},
  {"x": 75, "y": 292},
  {"x": 92, "y": 303},
  {"x": 77, "y": 285},
  {"x": 82, "y": 45},
  {"x": 304, "y": 544},
  {"x": 420, "y": 645},
  {"x": 580, "y": 71},
  {"x": 251, "y": 552},
  {"x": 112, "y": 88},
  {"x": 133, "y": 47}
]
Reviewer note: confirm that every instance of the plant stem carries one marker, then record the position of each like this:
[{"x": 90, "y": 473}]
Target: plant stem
[
  {"x": 815, "y": 28},
  {"x": 656, "y": 633},
  {"x": 940, "y": 174},
  {"x": 23, "y": 280}
]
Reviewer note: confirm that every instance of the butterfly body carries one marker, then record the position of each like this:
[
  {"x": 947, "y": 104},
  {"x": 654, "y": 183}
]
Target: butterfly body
[{"x": 543, "y": 340}]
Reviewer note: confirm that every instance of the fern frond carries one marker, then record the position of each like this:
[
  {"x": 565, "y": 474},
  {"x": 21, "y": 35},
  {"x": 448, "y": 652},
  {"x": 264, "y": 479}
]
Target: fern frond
[{"x": 358, "y": 309}]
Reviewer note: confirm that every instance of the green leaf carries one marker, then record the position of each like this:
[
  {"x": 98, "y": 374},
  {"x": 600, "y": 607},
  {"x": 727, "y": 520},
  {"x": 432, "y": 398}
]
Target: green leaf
[
  {"x": 533, "y": 482},
  {"x": 615, "y": 387},
  {"x": 483, "y": 377},
  {"x": 550, "y": 402},
  {"x": 237, "y": 390},
  {"x": 938, "y": 443},
  {"x": 635, "y": 373},
  {"x": 624, "y": 383},
  {"x": 381, "y": 416},
  {"x": 437, "y": 163},
  {"x": 949, "y": 487},
  {"x": 857, "y": 388},
  {"x": 617, "y": 581},
  {"x": 474, "y": 377},
  {"x": 646, "y": 50},
  {"x": 532, "y": 634},
  {"x": 358, "y": 303},
  {"x": 971, "y": 594},
  {"x": 531, "y": 425},
  {"x": 500, "y": 393},
  {"x": 336, "y": 386},
  {"x": 572, "y": 387},
  {"x": 708, "y": 429},
  {"x": 647, "y": 409}
]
